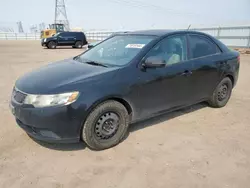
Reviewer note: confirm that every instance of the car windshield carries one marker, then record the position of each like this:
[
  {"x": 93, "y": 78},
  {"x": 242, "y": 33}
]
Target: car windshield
[
  {"x": 116, "y": 51},
  {"x": 55, "y": 35}
]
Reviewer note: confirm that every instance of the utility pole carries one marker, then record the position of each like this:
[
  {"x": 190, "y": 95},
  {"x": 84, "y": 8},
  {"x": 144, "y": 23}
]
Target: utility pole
[
  {"x": 20, "y": 27},
  {"x": 61, "y": 14},
  {"x": 33, "y": 29},
  {"x": 42, "y": 26}
]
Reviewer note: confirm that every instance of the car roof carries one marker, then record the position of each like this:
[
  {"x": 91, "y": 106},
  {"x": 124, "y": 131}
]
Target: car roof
[
  {"x": 158, "y": 32},
  {"x": 162, "y": 33},
  {"x": 72, "y": 32},
  {"x": 155, "y": 32}
]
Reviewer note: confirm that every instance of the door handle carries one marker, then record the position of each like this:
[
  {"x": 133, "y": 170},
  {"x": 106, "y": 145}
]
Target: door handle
[
  {"x": 222, "y": 62},
  {"x": 186, "y": 73}
]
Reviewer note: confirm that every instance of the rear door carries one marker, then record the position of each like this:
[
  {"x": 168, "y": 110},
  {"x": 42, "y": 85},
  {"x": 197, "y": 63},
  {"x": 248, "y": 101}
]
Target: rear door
[
  {"x": 65, "y": 39},
  {"x": 207, "y": 60}
]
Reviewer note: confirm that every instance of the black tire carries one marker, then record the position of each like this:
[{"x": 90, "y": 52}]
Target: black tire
[
  {"x": 93, "y": 135},
  {"x": 222, "y": 93},
  {"x": 78, "y": 44},
  {"x": 52, "y": 45}
]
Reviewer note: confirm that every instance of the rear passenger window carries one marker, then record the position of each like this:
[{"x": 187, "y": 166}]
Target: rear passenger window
[
  {"x": 201, "y": 46},
  {"x": 65, "y": 34}
]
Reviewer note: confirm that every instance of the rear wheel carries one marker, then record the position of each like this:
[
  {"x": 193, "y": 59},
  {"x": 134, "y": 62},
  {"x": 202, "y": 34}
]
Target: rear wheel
[
  {"x": 78, "y": 44},
  {"x": 106, "y": 125},
  {"x": 221, "y": 94},
  {"x": 52, "y": 45}
]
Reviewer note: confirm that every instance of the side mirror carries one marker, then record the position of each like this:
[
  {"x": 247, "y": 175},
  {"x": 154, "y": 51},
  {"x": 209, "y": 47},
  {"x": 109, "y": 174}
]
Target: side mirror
[
  {"x": 154, "y": 62},
  {"x": 90, "y": 46},
  {"x": 93, "y": 44}
]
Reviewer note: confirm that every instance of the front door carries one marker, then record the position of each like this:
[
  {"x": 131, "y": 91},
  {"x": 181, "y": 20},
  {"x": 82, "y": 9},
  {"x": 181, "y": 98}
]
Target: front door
[{"x": 169, "y": 87}]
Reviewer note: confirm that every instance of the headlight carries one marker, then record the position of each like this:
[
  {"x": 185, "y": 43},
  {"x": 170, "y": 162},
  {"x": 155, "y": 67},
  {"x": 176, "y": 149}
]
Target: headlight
[
  {"x": 51, "y": 100},
  {"x": 44, "y": 40}
]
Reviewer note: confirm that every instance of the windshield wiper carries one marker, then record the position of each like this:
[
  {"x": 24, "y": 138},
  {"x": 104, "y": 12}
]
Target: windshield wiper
[
  {"x": 76, "y": 58},
  {"x": 95, "y": 63}
]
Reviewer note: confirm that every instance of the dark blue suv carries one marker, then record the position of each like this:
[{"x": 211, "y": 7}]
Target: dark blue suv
[
  {"x": 74, "y": 39},
  {"x": 124, "y": 79}
]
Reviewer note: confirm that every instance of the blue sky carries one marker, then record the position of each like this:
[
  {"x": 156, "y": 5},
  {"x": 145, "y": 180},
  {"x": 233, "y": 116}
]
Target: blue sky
[{"x": 129, "y": 14}]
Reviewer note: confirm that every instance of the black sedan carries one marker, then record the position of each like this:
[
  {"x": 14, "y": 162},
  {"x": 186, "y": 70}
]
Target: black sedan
[{"x": 127, "y": 78}]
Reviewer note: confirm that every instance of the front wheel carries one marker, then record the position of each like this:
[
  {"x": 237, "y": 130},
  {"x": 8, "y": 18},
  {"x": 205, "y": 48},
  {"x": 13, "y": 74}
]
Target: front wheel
[
  {"x": 52, "y": 45},
  {"x": 106, "y": 125},
  {"x": 221, "y": 94}
]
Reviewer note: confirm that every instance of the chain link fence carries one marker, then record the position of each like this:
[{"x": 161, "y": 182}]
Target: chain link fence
[{"x": 20, "y": 36}]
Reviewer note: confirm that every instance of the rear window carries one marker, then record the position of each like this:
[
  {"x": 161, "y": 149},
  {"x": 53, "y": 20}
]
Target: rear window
[
  {"x": 79, "y": 34},
  {"x": 76, "y": 34},
  {"x": 201, "y": 46}
]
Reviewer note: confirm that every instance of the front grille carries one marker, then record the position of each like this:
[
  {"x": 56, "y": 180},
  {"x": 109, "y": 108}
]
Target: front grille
[{"x": 18, "y": 96}]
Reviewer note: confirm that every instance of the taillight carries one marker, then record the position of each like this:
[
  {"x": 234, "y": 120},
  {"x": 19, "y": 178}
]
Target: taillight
[{"x": 238, "y": 58}]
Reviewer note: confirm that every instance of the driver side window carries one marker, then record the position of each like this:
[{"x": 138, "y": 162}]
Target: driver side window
[{"x": 172, "y": 49}]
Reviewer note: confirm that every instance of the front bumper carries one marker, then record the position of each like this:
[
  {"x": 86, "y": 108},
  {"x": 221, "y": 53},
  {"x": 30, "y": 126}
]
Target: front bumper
[
  {"x": 44, "y": 44},
  {"x": 45, "y": 135},
  {"x": 50, "y": 124}
]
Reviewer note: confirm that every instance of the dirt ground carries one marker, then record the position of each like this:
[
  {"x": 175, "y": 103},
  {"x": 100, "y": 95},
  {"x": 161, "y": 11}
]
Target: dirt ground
[{"x": 195, "y": 147}]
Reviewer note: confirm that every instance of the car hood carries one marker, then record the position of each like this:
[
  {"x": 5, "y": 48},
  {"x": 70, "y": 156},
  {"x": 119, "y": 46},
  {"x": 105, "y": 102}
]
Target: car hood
[
  {"x": 50, "y": 38},
  {"x": 48, "y": 79}
]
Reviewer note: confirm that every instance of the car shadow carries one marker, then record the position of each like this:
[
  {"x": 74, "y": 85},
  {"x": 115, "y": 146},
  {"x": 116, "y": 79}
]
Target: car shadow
[
  {"x": 133, "y": 127},
  {"x": 65, "y": 48},
  {"x": 63, "y": 146},
  {"x": 164, "y": 117}
]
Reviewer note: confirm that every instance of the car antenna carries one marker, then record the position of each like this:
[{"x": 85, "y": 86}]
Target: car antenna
[{"x": 189, "y": 27}]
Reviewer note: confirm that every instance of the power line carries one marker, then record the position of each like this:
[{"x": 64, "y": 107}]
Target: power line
[
  {"x": 7, "y": 26},
  {"x": 139, "y": 4}
]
